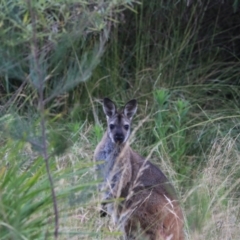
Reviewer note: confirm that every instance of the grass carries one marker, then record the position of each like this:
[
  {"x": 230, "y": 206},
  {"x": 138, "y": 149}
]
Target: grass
[
  {"x": 209, "y": 195},
  {"x": 179, "y": 60},
  {"x": 214, "y": 211},
  {"x": 210, "y": 203}
]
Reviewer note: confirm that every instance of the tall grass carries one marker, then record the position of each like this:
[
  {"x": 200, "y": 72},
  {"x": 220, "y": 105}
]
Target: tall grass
[
  {"x": 213, "y": 206},
  {"x": 179, "y": 59},
  {"x": 209, "y": 200}
]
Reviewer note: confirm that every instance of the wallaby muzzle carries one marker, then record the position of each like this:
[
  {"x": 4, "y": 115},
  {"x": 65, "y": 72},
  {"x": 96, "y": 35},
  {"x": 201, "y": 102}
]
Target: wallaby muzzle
[{"x": 118, "y": 138}]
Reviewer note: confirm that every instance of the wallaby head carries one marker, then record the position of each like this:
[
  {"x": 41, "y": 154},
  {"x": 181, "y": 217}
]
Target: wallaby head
[{"x": 119, "y": 122}]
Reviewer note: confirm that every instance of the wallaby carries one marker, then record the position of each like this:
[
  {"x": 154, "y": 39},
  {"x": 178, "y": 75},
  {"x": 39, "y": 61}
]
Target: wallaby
[{"x": 137, "y": 194}]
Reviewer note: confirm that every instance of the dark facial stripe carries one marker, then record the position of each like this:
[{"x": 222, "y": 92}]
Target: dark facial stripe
[{"x": 119, "y": 118}]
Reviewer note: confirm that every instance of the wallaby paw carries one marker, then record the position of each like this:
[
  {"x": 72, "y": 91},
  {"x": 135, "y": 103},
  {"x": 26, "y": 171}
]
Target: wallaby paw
[{"x": 103, "y": 213}]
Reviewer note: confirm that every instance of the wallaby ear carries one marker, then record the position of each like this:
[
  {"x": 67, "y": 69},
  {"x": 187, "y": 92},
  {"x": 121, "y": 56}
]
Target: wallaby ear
[
  {"x": 130, "y": 108},
  {"x": 109, "y": 107}
]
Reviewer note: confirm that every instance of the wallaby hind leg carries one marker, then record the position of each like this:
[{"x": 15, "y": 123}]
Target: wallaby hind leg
[
  {"x": 160, "y": 218},
  {"x": 130, "y": 230},
  {"x": 168, "y": 227},
  {"x": 151, "y": 232},
  {"x": 174, "y": 231}
]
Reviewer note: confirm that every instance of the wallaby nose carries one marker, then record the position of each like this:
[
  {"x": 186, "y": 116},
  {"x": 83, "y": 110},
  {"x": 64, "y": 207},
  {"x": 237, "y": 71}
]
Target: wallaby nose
[{"x": 118, "y": 137}]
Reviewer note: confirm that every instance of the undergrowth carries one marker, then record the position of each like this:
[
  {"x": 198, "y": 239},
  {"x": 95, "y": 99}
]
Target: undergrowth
[{"x": 58, "y": 59}]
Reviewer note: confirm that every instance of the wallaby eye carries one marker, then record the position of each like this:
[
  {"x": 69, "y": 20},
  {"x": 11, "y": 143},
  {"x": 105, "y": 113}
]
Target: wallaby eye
[
  {"x": 111, "y": 126},
  {"x": 126, "y": 127}
]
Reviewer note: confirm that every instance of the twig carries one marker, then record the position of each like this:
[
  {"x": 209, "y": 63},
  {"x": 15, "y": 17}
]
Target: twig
[{"x": 41, "y": 105}]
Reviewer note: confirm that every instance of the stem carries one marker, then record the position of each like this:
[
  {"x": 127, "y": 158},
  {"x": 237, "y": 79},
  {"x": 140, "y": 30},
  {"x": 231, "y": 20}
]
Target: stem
[{"x": 41, "y": 105}]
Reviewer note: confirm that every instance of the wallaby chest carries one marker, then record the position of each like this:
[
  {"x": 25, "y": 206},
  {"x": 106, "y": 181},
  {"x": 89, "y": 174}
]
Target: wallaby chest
[{"x": 108, "y": 153}]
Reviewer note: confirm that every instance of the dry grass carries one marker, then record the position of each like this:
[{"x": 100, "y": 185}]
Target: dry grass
[{"x": 210, "y": 204}]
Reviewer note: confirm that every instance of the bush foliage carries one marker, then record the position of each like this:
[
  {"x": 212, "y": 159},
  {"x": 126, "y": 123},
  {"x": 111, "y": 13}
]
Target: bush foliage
[{"x": 58, "y": 59}]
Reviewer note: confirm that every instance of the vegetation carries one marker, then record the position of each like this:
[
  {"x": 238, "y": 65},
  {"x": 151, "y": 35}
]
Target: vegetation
[{"x": 179, "y": 59}]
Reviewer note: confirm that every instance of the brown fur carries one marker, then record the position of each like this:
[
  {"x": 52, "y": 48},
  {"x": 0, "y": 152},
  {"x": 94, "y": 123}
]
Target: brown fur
[{"x": 137, "y": 194}]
